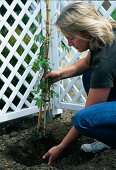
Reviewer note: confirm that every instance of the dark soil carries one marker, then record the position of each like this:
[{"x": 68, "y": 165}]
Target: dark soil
[{"x": 21, "y": 149}]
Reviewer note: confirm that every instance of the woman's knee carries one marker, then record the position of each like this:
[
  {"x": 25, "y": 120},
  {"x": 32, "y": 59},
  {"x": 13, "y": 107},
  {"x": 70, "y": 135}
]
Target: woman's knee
[
  {"x": 97, "y": 120},
  {"x": 82, "y": 123}
]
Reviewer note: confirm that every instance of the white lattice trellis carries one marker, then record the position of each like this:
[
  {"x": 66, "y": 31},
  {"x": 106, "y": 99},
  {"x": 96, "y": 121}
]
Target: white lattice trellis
[
  {"x": 20, "y": 22},
  {"x": 71, "y": 92}
]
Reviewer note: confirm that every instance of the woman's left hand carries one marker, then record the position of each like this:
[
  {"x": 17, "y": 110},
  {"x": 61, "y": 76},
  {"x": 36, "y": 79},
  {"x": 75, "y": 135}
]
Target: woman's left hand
[{"x": 53, "y": 153}]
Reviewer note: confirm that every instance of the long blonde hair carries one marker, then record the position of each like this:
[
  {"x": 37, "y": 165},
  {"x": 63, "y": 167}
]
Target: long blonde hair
[{"x": 81, "y": 17}]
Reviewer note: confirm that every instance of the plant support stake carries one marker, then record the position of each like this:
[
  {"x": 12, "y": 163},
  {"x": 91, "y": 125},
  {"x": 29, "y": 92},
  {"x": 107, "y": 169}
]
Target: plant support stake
[{"x": 45, "y": 92}]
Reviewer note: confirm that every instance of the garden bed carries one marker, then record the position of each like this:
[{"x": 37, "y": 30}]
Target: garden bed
[{"x": 20, "y": 150}]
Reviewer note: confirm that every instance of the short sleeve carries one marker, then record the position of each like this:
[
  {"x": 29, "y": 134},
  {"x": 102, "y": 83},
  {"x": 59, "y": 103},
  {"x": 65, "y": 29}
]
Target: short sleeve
[{"x": 102, "y": 74}]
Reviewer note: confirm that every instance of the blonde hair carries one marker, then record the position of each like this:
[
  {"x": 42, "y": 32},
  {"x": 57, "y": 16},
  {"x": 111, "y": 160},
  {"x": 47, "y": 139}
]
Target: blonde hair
[{"x": 82, "y": 17}]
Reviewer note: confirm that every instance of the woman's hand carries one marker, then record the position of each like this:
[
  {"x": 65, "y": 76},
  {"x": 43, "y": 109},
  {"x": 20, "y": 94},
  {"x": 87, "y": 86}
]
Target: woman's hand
[
  {"x": 53, "y": 153},
  {"x": 54, "y": 75}
]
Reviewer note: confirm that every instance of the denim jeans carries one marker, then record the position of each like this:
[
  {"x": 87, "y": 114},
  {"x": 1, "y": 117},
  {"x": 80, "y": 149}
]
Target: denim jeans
[{"x": 97, "y": 121}]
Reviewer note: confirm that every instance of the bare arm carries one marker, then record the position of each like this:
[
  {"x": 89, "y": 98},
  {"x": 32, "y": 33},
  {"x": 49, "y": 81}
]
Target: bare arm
[
  {"x": 75, "y": 69},
  {"x": 55, "y": 151},
  {"x": 97, "y": 96}
]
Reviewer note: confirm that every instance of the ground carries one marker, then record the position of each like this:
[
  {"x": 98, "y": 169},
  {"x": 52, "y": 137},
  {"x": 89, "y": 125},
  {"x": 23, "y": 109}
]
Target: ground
[{"x": 20, "y": 150}]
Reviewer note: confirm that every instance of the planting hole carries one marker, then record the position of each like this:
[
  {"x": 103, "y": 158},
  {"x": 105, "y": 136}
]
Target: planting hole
[{"x": 29, "y": 152}]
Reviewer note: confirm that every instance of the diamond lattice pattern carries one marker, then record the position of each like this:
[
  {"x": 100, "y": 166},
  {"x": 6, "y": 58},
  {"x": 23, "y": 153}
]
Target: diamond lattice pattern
[
  {"x": 71, "y": 90},
  {"x": 20, "y": 22}
]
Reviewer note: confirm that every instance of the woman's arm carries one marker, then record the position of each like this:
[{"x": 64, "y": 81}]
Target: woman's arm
[
  {"x": 55, "y": 151},
  {"x": 97, "y": 96},
  {"x": 75, "y": 69}
]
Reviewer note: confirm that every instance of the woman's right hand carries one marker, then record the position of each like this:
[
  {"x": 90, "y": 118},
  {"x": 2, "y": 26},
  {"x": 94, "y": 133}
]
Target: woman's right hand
[{"x": 54, "y": 75}]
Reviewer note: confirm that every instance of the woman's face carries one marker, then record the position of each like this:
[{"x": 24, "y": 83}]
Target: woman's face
[{"x": 80, "y": 41}]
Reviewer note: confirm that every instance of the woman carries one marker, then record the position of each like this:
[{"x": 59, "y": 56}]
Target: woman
[{"x": 86, "y": 29}]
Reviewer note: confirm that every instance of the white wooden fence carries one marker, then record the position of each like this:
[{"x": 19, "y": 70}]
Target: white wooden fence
[{"x": 19, "y": 23}]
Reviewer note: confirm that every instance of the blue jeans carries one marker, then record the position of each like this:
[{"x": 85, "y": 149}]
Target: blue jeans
[{"x": 97, "y": 121}]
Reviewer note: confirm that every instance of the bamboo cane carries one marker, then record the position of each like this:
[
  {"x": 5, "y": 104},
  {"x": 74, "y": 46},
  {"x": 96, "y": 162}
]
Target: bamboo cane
[
  {"x": 49, "y": 108},
  {"x": 47, "y": 18},
  {"x": 47, "y": 37},
  {"x": 46, "y": 48},
  {"x": 44, "y": 117},
  {"x": 39, "y": 117},
  {"x": 49, "y": 99}
]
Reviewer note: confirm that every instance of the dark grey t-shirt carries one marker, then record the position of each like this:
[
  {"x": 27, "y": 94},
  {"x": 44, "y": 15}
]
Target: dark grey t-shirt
[{"x": 103, "y": 66}]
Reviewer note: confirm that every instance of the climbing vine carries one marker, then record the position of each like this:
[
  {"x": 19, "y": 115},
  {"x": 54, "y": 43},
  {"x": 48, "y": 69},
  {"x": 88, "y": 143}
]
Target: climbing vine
[
  {"x": 44, "y": 88},
  {"x": 42, "y": 64}
]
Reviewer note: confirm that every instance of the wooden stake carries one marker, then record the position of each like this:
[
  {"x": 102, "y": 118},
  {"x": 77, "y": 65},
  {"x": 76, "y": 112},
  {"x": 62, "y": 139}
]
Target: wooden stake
[
  {"x": 46, "y": 91},
  {"x": 45, "y": 116},
  {"x": 49, "y": 108},
  {"x": 47, "y": 37},
  {"x": 48, "y": 95},
  {"x": 39, "y": 116},
  {"x": 45, "y": 84},
  {"x": 47, "y": 18}
]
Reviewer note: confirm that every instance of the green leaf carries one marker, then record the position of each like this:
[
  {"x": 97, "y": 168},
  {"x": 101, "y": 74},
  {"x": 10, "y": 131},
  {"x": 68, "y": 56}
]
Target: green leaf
[
  {"x": 35, "y": 98},
  {"x": 39, "y": 37},
  {"x": 40, "y": 16},
  {"x": 44, "y": 122},
  {"x": 42, "y": 101},
  {"x": 36, "y": 38},
  {"x": 64, "y": 47},
  {"x": 43, "y": 80},
  {"x": 56, "y": 94},
  {"x": 43, "y": 94},
  {"x": 38, "y": 103},
  {"x": 39, "y": 136},
  {"x": 39, "y": 87},
  {"x": 52, "y": 93},
  {"x": 35, "y": 92}
]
